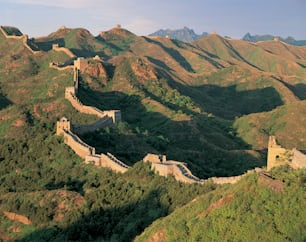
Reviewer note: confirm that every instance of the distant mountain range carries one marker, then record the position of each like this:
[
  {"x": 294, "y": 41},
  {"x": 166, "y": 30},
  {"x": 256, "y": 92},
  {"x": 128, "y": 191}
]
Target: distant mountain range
[
  {"x": 185, "y": 34},
  {"x": 188, "y": 35},
  {"x": 212, "y": 103},
  {"x": 256, "y": 38}
]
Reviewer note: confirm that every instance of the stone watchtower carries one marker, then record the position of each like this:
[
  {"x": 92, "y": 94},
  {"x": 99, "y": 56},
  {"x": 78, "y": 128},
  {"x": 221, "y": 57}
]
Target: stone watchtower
[
  {"x": 277, "y": 155},
  {"x": 62, "y": 124}
]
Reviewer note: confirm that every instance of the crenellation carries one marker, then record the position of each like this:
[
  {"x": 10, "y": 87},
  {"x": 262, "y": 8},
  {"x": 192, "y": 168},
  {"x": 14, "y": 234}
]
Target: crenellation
[{"x": 165, "y": 167}]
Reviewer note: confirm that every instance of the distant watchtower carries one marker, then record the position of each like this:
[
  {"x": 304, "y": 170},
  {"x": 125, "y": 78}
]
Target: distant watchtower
[
  {"x": 62, "y": 124},
  {"x": 277, "y": 156}
]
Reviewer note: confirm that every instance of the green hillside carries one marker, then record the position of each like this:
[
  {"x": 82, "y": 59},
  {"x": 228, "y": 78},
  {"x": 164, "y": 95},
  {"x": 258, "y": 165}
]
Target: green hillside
[
  {"x": 255, "y": 209},
  {"x": 211, "y": 104}
]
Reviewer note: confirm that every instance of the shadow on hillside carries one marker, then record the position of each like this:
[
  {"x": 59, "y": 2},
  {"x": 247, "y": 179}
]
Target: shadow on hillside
[
  {"x": 47, "y": 45},
  {"x": 174, "y": 54},
  {"x": 240, "y": 57},
  {"x": 299, "y": 90},
  {"x": 109, "y": 44},
  {"x": 210, "y": 146},
  {"x": 118, "y": 223},
  {"x": 84, "y": 51},
  {"x": 4, "y": 102},
  {"x": 228, "y": 102},
  {"x": 159, "y": 63}
]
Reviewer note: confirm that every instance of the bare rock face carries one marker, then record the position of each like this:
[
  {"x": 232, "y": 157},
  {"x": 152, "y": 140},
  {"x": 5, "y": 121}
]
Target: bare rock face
[
  {"x": 96, "y": 70},
  {"x": 143, "y": 70}
]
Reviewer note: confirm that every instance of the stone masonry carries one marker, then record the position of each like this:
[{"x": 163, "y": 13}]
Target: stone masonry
[{"x": 278, "y": 156}]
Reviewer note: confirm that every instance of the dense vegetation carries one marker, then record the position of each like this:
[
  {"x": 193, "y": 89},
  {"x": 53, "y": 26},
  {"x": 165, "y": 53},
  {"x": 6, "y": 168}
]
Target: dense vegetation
[
  {"x": 211, "y": 104},
  {"x": 66, "y": 199},
  {"x": 247, "y": 211}
]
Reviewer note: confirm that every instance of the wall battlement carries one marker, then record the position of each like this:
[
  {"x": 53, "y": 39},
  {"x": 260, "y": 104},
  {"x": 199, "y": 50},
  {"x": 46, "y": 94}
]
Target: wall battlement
[
  {"x": 106, "y": 118},
  {"x": 165, "y": 167},
  {"x": 86, "y": 151}
]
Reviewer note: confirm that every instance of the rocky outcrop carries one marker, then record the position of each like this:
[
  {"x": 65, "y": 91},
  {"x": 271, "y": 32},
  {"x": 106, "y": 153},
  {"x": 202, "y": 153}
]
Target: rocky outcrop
[
  {"x": 96, "y": 69},
  {"x": 17, "y": 217}
]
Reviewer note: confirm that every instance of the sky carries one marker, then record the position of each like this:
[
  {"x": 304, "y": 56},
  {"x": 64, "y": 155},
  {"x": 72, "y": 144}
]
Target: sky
[{"x": 232, "y": 18}]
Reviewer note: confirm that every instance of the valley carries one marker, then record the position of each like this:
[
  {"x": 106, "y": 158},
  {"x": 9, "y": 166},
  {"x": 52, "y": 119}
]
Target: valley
[{"x": 211, "y": 103}]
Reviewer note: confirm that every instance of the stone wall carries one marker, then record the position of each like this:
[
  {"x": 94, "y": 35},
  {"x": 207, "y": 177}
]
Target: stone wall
[
  {"x": 23, "y": 37},
  {"x": 10, "y": 36},
  {"x": 165, "y": 167},
  {"x": 153, "y": 158},
  {"x": 63, "y": 124},
  {"x": 278, "y": 156},
  {"x": 60, "y": 68},
  {"x": 80, "y": 63},
  {"x": 115, "y": 115},
  {"x": 65, "y": 128},
  {"x": 298, "y": 159},
  {"x": 86, "y": 128},
  {"x": 225, "y": 180},
  {"x": 68, "y": 52},
  {"x": 78, "y": 146},
  {"x": 108, "y": 161}
]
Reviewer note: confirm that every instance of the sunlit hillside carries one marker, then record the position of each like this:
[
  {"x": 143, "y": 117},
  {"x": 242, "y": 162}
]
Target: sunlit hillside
[{"x": 211, "y": 103}]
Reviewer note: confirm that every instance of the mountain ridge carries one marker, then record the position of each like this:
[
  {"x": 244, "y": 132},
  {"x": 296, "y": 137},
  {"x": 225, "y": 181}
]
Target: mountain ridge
[
  {"x": 288, "y": 40},
  {"x": 211, "y": 103},
  {"x": 185, "y": 34}
]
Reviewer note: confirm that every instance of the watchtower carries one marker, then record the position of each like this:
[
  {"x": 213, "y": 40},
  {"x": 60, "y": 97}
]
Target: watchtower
[
  {"x": 62, "y": 124},
  {"x": 277, "y": 155}
]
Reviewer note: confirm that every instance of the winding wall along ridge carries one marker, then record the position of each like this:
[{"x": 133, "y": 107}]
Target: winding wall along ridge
[
  {"x": 158, "y": 163},
  {"x": 23, "y": 37},
  {"x": 65, "y": 128}
]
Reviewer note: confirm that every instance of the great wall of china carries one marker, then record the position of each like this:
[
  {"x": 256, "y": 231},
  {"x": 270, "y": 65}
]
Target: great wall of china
[
  {"x": 24, "y": 38},
  {"x": 277, "y": 155},
  {"x": 159, "y": 163}
]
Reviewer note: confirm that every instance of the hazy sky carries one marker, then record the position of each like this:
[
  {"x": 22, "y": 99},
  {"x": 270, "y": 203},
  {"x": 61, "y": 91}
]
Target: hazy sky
[{"x": 227, "y": 17}]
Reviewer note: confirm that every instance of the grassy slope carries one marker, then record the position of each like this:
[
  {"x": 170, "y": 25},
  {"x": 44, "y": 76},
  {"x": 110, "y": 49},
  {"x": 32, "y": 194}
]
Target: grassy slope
[
  {"x": 232, "y": 214},
  {"x": 194, "y": 90}
]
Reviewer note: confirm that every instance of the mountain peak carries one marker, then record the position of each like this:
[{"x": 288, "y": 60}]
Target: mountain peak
[{"x": 185, "y": 34}]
